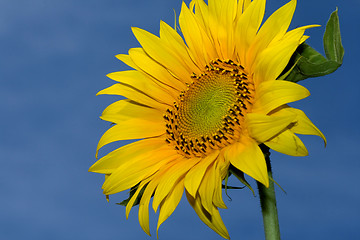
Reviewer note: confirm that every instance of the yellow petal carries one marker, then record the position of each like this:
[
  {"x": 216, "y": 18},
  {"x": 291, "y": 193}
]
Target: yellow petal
[
  {"x": 132, "y": 172},
  {"x": 127, "y": 110},
  {"x": 288, "y": 143},
  {"x": 207, "y": 188},
  {"x": 171, "y": 177},
  {"x": 176, "y": 43},
  {"x": 302, "y": 124},
  {"x": 144, "y": 205},
  {"x": 126, "y": 59},
  {"x": 247, "y": 157},
  {"x": 155, "y": 48},
  {"x": 144, "y": 84},
  {"x": 133, "y": 198},
  {"x": 196, "y": 174},
  {"x": 272, "y": 61},
  {"x": 273, "y": 29},
  {"x": 263, "y": 127},
  {"x": 133, "y": 94},
  {"x": 212, "y": 220},
  {"x": 217, "y": 198},
  {"x": 131, "y": 129},
  {"x": 247, "y": 27},
  {"x": 272, "y": 94},
  {"x": 200, "y": 45},
  {"x": 154, "y": 69},
  {"x": 170, "y": 203},
  {"x": 114, "y": 159}
]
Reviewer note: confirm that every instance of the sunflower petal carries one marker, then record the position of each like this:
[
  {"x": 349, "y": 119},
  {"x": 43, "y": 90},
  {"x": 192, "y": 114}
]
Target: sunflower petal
[
  {"x": 172, "y": 176},
  {"x": 263, "y": 127},
  {"x": 133, "y": 172},
  {"x": 247, "y": 157},
  {"x": 273, "y": 29},
  {"x": 247, "y": 27},
  {"x": 114, "y": 159},
  {"x": 170, "y": 203},
  {"x": 272, "y": 94},
  {"x": 127, "y": 109},
  {"x": 212, "y": 220},
  {"x": 196, "y": 174},
  {"x": 288, "y": 143},
  {"x": 303, "y": 124},
  {"x": 131, "y": 129}
]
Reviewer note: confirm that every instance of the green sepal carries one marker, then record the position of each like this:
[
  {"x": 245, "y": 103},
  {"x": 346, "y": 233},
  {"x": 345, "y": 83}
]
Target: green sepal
[
  {"x": 240, "y": 176},
  {"x": 131, "y": 193},
  {"x": 306, "y": 62}
]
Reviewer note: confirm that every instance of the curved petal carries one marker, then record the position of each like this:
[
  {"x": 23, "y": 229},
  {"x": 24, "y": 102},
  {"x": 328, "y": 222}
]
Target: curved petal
[
  {"x": 196, "y": 174},
  {"x": 212, "y": 220},
  {"x": 170, "y": 203},
  {"x": 288, "y": 143},
  {"x": 263, "y": 127},
  {"x": 272, "y": 94},
  {"x": 302, "y": 124},
  {"x": 248, "y": 157},
  {"x": 134, "y": 197},
  {"x": 207, "y": 188}
]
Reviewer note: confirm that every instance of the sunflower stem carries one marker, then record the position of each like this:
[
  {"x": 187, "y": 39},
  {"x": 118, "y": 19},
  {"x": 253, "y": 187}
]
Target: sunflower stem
[{"x": 268, "y": 203}]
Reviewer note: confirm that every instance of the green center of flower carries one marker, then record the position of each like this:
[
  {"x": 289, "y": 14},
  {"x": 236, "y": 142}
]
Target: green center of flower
[{"x": 209, "y": 112}]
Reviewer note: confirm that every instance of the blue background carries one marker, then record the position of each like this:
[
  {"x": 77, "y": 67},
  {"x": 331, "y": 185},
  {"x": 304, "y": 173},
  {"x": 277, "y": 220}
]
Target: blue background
[{"x": 54, "y": 56}]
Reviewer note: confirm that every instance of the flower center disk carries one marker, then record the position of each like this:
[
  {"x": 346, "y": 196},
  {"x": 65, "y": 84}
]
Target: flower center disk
[{"x": 209, "y": 112}]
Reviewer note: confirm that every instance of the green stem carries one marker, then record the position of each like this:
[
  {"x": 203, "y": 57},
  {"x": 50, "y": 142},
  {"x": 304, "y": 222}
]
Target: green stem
[{"x": 268, "y": 203}]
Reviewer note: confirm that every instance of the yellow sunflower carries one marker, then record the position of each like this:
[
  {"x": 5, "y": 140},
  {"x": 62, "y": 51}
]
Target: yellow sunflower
[{"x": 200, "y": 102}]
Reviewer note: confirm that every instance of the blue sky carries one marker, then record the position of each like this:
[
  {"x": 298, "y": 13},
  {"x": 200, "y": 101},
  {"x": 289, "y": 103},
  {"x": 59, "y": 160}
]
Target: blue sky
[{"x": 54, "y": 56}]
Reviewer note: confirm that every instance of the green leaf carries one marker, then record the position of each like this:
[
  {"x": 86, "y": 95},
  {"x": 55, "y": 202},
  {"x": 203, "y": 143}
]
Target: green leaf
[{"x": 307, "y": 62}]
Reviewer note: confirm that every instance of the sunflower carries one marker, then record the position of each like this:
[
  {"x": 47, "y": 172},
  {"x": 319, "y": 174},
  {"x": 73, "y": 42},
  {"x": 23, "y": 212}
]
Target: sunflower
[{"x": 200, "y": 102}]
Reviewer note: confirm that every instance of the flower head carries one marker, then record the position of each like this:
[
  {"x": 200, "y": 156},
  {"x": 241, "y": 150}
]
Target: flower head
[{"x": 202, "y": 102}]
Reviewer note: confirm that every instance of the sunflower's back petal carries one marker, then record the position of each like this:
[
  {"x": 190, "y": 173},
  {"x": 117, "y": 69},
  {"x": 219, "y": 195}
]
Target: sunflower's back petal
[
  {"x": 207, "y": 188},
  {"x": 248, "y": 158},
  {"x": 247, "y": 26},
  {"x": 213, "y": 221},
  {"x": 272, "y": 30},
  {"x": 195, "y": 175},
  {"x": 170, "y": 203},
  {"x": 288, "y": 143},
  {"x": 272, "y": 94},
  {"x": 131, "y": 129},
  {"x": 217, "y": 198},
  {"x": 263, "y": 127}
]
